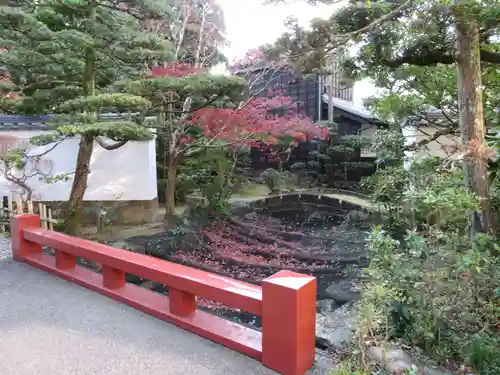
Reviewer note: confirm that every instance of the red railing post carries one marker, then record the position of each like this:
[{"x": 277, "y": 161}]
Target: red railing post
[
  {"x": 289, "y": 322},
  {"x": 64, "y": 261},
  {"x": 113, "y": 278},
  {"x": 181, "y": 303},
  {"x": 21, "y": 247}
]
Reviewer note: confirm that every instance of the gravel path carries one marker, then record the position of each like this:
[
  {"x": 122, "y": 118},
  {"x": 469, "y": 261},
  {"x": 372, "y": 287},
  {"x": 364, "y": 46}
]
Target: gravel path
[{"x": 5, "y": 247}]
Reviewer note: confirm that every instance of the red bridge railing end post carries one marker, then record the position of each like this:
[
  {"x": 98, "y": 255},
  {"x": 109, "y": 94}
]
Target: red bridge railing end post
[
  {"x": 289, "y": 322},
  {"x": 20, "y": 246}
]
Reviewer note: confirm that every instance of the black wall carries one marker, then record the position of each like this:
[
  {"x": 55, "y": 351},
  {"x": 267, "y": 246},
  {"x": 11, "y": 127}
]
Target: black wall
[{"x": 304, "y": 92}]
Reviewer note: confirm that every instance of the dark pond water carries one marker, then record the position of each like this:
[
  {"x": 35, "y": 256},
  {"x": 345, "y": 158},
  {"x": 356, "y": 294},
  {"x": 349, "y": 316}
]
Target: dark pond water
[{"x": 325, "y": 241}]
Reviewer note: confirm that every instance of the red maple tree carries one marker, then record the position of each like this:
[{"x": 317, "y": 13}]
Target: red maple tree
[
  {"x": 251, "y": 121},
  {"x": 255, "y": 120}
]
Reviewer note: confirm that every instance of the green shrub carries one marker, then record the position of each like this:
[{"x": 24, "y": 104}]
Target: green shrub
[
  {"x": 436, "y": 294},
  {"x": 272, "y": 179},
  {"x": 348, "y": 368},
  {"x": 202, "y": 172},
  {"x": 59, "y": 225},
  {"x": 435, "y": 287},
  {"x": 482, "y": 353}
]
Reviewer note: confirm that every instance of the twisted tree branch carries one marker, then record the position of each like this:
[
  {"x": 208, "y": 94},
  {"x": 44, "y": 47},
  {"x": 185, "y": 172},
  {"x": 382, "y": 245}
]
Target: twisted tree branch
[
  {"x": 435, "y": 57},
  {"x": 108, "y": 146},
  {"x": 416, "y": 145}
]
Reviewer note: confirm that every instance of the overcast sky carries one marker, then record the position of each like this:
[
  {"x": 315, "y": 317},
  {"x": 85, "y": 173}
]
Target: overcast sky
[{"x": 251, "y": 24}]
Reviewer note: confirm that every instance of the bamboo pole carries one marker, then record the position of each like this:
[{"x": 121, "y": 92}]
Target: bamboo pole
[{"x": 51, "y": 225}]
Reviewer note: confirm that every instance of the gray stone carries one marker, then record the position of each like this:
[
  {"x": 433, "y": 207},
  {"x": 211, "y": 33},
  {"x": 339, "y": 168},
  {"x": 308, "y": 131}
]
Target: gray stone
[
  {"x": 148, "y": 284},
  {"x": 323, "y": 364},
  {"x": 317, "y": 215},
  {"x": 325, "y": 306},
  {"x": 338, "y": 327},
  {"x": 397, "y": 361},
  {"x": 355, "y": 217},
  {"x": 344, "y": 291}
]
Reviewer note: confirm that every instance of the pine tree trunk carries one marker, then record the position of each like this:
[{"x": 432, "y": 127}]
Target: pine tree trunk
[
  {"x": 74, "y": 213},
  {"x": 471, "y": 120},
  {"x": 170, "y": 186}
]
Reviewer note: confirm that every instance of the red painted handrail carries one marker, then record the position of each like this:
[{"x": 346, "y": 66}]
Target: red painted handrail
[
  {"x": 230, "y": 292},
  {"x": 286, "y": 301}
]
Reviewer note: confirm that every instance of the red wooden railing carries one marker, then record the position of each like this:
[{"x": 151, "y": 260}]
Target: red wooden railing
[{"x": 286, "y": 301}]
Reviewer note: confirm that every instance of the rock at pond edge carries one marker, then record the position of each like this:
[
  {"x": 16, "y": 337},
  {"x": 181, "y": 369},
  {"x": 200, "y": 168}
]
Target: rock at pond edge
[
  {"x": 326, "y": 306},
  {"x": 336, "y": 328},
  {"x": 397, "y": 361},
  {"x": 344, "y": 291}
]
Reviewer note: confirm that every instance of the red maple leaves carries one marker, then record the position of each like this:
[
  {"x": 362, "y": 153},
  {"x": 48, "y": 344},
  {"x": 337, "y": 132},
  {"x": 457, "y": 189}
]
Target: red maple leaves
[
  {"x": 175, "y": 69},
  {"x": 255, "y": 120},
  {"x": 252, "y": 56},
  {"x": 259, "y": 119}
]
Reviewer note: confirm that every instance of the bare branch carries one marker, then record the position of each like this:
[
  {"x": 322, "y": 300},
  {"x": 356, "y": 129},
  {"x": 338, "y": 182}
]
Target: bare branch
[
  {"x": 31, "y": 167},
  {"x": 53, "y": 146},
  {"x": 338, "y": 40},
  {"x": 182, "y": 31},
  {"x": 379, "y": 21},
  {"x": 416, "y": 145}
]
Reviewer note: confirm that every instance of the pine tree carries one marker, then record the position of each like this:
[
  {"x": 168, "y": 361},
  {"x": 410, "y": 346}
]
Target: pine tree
[
  {"x": 196, "y": 28},
  {"x": 62, "y": 55},
  {"x": 406, "y": 44},
  {"x": 176, "y": 93}
]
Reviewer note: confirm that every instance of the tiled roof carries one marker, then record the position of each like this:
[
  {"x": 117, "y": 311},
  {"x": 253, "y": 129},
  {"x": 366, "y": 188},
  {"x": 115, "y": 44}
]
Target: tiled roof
[
  {"x": 40, "y": 122},
  {"x": 17, "y": 122},
  {"x": 351, "y": 108}
]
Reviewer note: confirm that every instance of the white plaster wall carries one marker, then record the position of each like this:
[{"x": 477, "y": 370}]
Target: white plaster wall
[
  {"x": 127, "y": 173},
  {"x": 446, "y": 146},
  {"x": 434, "y": 148},
  {"x": 369, "y": 132}
]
